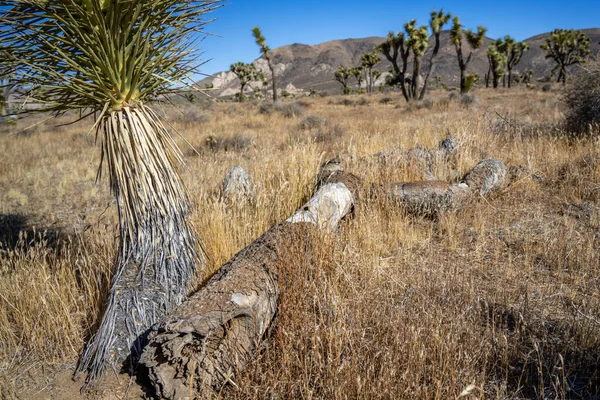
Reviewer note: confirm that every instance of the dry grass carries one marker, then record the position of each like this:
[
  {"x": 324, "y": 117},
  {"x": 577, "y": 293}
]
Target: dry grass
[{"x": 504, "y": 295}]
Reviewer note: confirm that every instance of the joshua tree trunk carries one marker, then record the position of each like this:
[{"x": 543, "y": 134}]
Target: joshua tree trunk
[
  {"x": 242, "y": 93},
  {"x": 158, "y": 249},
  {"x": 273, "y": 79},
  {"x": 415, "y": 80},
  {"x": 196, "y": 349}
]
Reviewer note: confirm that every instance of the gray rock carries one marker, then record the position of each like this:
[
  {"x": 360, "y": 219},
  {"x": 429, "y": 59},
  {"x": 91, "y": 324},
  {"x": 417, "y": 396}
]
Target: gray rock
[
  {"x": 237, "y": 186},
  {"x": 487, "y": 176}
]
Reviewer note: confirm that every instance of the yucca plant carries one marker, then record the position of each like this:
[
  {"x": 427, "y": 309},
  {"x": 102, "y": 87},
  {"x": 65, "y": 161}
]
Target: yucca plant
[{"x": 112, "y": 58}]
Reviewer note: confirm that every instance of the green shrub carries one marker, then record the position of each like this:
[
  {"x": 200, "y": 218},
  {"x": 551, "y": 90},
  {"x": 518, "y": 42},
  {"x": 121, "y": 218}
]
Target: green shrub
[{"x": 470, "y": 81}]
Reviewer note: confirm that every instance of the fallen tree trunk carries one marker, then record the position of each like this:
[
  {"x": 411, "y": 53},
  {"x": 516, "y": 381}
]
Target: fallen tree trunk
[
  {"x": 431, "y": 197},
  {"x": 199, "y": 346}
]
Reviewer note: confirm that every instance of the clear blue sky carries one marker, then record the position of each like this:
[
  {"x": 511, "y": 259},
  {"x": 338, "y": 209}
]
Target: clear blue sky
[{"x": 310, "y": 21}]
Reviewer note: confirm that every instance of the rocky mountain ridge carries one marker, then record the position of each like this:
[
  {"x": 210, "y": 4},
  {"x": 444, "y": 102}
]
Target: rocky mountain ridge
[{"x": 301, "y": 67}]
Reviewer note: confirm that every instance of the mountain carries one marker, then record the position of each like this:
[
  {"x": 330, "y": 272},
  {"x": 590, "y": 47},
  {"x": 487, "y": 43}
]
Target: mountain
[{"x": 300, "y": 67}]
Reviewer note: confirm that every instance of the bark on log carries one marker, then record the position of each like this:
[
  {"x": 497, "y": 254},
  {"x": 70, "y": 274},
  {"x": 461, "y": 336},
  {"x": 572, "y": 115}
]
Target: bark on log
[
  {"x": 199, "y": 346},
  {"x": 431, "y": 197}
]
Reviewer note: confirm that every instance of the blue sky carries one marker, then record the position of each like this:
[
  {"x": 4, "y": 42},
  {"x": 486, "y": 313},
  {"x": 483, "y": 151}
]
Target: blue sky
[{"x": 312, "y": 22}]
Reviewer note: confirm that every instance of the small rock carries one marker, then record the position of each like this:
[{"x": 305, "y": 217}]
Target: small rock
[{"x": 237, "y": 185}]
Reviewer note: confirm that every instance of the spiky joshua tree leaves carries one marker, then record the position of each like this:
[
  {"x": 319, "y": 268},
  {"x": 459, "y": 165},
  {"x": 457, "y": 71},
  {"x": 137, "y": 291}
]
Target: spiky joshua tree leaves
[
  {"x": 475, "y": 41},
  {"x": 566, "y": 48},
  {"x": 112, "y": 57}
]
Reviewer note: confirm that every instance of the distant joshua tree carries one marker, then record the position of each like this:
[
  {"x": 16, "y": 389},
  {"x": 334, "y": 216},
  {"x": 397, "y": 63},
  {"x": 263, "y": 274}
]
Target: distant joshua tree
[
  {"x": 475, "y": 40},
  {"x": 514, "y": 51},
  {"x": 368, "y": 61},
  {"x": 566, "y": 47},
  {"x": 246, "y": 73},
  {"x": 436, "y": 22},
  {"x": 357, "y": 72},
  {"x": 497, "y": 61},
  {"x": 266, "y": 51},
  {"x": 413, "y": 40},
  {"x": 342, "y": 74}
]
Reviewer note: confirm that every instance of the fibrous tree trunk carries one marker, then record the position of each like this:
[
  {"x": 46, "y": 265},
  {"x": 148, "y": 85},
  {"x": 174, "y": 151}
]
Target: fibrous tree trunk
[
  {"x": 159, "y": 251},
  {"x": 198, "y": 347}
]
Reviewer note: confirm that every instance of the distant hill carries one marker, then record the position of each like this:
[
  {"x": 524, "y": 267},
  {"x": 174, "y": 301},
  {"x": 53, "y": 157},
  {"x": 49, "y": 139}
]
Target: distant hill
[{"x": 300, "y": 67}]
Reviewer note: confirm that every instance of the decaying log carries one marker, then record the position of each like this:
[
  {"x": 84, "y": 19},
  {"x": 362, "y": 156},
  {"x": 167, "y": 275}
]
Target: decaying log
[
  {"x": 425, "y": 197},
  {"x": 430, "y": 197},
  {"x": 486, "y": 177},
  {"x": 198, "y": 347}
]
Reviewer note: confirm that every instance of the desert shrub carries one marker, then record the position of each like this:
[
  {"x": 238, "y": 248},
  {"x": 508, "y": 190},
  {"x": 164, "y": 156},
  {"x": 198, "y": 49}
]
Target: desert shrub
[
  {"x": 304, "y": 103},
  {"x": 363, "y": 101},
  {"x": 417, "y": 105},
  {"x": 312, "y": 121},
  {"x": 266, "y": 107},
  {"x": 346, "y": 102},
  {"x": 194, "y": 116},
  {"x": 291, "y": 110},
  {"x": 237, "y": 142},
  {"x": 443, "y": 102},
  {"x": 328, "y": 135},
  {"x": 232, "y": 110},
  {"x": 582, "y": 98},
  {"x": 468, "y": 100}
]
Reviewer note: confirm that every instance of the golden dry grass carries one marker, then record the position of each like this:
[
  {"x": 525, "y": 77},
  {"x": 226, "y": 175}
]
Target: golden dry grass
[{"x": 504, "y": 295}]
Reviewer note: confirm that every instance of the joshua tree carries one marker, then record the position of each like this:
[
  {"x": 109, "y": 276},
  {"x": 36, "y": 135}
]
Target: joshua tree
[
  {"x": 246, "y": 73},
  {"x": 566, "y": 47},
  {"x": 393, "y": 47},
  {"x": 368, "y": 61},
  {"x": 497, "y": 59},
  {"x": 475, "y": 40},
  {"x": 357, "y": 72},
  {"x": 112, "y": 57},
  {"x": 266, "y": 52},
  {"x": 514, "y": 51},
  {"x": 413, "y": 40},
  {"x": 342, "y": 74},
  {"x": 436, "y": 24},
  {"x": 417, "y": 42}
]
